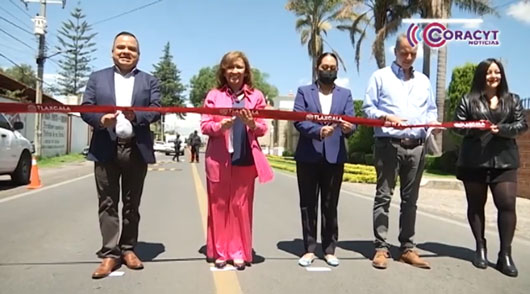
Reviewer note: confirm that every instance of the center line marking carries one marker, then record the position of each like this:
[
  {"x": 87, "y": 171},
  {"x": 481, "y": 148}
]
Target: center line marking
[{"x": 225, "y": 281}]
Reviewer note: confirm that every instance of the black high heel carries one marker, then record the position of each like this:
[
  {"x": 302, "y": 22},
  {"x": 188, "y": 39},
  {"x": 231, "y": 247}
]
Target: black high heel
[
  {"x": 505, "y": 264},
  {"x": 480, "y": 259},
  {"x": 220, "y": 263},
  {"x": 240, "y": 265}
]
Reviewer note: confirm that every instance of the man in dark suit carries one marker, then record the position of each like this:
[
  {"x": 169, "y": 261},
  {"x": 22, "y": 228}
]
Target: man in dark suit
[
  {"x": 320, "y": 157},
  {"x": 121, "y": 147}
]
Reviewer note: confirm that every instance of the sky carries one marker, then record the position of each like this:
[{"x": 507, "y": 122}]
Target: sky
[{"x": 201, "y": 31}]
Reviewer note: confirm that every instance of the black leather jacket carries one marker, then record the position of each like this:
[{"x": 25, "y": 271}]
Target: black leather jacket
[{"x": 482, "y": 148}]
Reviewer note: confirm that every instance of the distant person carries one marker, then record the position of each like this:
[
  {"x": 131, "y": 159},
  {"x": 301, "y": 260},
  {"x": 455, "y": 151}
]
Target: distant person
[
  {"x": 490, "y": 158},
  {"x": 195, "y": 144},
  {"x": 177, "y": 143},
  {"x": 400, "y": 95},
  {"x": 233, "y": 160},
  {"x": 320, "y": 157},
  {"x": 121, "y": 148}
]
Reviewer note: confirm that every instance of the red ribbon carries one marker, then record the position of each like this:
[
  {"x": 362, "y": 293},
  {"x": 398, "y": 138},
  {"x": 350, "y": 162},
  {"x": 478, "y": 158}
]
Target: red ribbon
[{"x": 260, "y": 113}]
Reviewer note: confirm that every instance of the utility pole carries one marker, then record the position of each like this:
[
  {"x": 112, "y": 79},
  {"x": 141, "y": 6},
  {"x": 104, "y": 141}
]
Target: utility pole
[{"x": 40, "y": 31}]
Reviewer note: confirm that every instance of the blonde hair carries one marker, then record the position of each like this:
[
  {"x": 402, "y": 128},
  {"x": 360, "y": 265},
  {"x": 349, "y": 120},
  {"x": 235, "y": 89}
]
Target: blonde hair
[{"x": 227, "y": 59}]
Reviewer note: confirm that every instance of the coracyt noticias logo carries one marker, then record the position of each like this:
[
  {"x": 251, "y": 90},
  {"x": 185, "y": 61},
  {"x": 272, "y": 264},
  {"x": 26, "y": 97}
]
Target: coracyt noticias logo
[{"x": 435, "y": 34}]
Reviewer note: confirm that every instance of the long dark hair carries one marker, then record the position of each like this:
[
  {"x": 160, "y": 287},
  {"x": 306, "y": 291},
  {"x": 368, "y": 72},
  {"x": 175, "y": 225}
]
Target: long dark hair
[{"x": 478, "y": 87}]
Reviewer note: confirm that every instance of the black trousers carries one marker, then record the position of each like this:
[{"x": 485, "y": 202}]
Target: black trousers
[
  {"x": 322, "y": 179},
  {"x": 130, "y": 167}
]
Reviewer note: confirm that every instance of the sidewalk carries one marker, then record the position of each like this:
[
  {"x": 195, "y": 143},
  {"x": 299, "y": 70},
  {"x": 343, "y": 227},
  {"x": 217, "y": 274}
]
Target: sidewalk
[{"x": 451, "y": 203}]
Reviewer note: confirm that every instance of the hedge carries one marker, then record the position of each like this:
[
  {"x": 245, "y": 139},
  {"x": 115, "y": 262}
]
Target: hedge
[{"x": 353, "y": 173}]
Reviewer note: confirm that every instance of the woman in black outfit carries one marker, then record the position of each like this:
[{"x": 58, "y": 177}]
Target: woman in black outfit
[{"x": 490, "y": 158}]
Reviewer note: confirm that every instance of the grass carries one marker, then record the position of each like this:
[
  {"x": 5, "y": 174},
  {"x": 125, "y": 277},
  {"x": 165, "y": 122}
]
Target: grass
[{"x": 60, "y": 160}]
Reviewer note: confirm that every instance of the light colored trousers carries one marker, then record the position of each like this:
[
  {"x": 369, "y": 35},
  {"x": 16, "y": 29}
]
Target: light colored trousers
[{"x": 230, "y": 204}]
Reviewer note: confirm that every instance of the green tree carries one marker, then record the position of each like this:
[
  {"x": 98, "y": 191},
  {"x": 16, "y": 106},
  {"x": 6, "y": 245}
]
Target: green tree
[
  {"x": 383, "y": 16},
  {"x": 260, "y": 83},
  {"x": 206, "y": 79},
  {"x": 315, "y": 17},
  {"x": 201, "y": 83},
  {"x": 171, "y": 87},
  {"x": 460, "y": 85},
  {"x": 23, "y": 73},
  {"x": 75, "y": 43},
  {"x": 362, "y": 140}
]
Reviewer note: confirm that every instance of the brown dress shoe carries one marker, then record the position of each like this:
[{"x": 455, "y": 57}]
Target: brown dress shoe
[
  {"x": 132, "y": 261},
  {"x": 106, "y": 267},
  {"x": 412, "y": 258},
  {"x": 380, "y": 259}
]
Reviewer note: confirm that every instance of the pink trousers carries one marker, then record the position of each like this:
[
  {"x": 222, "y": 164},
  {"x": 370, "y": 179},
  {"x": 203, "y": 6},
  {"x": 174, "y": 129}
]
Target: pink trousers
[{"x": 230, "y": 215}]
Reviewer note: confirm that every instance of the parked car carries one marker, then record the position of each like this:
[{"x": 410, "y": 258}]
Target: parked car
[
  {"x": 15, "y": 152},
  {"x": 159, "y": 146}
]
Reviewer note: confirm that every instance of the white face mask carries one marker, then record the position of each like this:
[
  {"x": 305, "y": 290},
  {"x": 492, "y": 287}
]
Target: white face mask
[{"x": 124, "y": 128}]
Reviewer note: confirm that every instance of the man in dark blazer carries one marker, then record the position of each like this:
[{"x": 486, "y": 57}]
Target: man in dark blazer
[
  {"x": 121, "y": 147},
  {"x": 320, "y": 157}
]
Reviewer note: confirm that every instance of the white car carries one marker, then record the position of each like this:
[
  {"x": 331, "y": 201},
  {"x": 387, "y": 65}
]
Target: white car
[
  {"x": 170, "y": 148},
  {"x": 15, "y": 152},
  {"x": 159, "y": 146}
]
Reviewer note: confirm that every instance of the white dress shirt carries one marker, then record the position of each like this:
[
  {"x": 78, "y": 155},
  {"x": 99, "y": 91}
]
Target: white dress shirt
[
  {"x": 123, "y": 90},
  {"x": 325, "y": 102}
]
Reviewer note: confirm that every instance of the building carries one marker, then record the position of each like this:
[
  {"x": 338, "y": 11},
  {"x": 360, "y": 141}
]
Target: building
[{"x": 61, "y": 133}]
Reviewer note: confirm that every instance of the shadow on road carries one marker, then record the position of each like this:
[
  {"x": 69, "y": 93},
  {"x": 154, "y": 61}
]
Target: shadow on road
[
  {"x": 148, "y": 251},
  {"x": 7, "y": 184},
  {"x": 256, "y": 258},
  {"x": 366, "y": 248},
  {"x": 449, "y": 251},
  {"x": 296, "y": 247}
]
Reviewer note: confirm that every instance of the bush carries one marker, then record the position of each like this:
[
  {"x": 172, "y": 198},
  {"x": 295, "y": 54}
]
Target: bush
[
  {"x": 354, "y": 173},
  {"x": 357, "y": 157},
  {"x": 445, "y": 163},
  {"x": 288, "y": 153},
  {"x": 369, "y": 158}
]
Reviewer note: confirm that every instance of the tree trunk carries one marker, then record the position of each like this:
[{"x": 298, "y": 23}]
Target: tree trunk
[
  {"x": 426, "y": 60},
  {"x": 441, "y": 69},
  {"x": 380, "y": 55}
]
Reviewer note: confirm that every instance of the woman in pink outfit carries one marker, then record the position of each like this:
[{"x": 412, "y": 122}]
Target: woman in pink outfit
[{"x": 233, "y": 160}]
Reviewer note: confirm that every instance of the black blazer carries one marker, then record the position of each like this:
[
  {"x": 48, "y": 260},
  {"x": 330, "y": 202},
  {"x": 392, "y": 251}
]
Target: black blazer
[
  {"x": 481, "y": 148},
  {"x": 100, "y": 91}
]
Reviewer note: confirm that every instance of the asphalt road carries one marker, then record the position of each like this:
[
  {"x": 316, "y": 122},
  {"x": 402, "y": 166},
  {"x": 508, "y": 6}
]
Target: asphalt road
[{"x": 49, "y": 238}]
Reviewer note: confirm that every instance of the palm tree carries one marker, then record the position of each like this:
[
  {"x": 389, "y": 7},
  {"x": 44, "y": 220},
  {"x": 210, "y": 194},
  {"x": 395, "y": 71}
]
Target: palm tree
[
  {"x": 383, "y": 15},
  {"x": 442, "y": 9},
  {"x": 315, "y": 17}
]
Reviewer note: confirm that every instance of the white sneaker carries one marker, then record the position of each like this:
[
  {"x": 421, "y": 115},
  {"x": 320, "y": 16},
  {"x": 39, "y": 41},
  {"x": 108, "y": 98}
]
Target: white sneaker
[
  {"x": 332, "y": 260},
  {"x": 307, "y": 259}
]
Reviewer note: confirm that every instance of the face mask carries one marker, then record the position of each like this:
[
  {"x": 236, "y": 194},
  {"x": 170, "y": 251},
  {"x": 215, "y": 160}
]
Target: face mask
[{"x": 327, "y": 77}]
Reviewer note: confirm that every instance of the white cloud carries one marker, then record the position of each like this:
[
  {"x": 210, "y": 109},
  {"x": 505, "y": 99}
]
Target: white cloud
[
  {"x": 343, "y": 82},
  {"x": 471, "y": 25},
  {"x": 50, "y": 78},
  {"x": 520, "y": 11}
]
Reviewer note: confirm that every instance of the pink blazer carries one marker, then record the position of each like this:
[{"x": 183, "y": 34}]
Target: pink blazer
[{"x": 218, "y": 160}]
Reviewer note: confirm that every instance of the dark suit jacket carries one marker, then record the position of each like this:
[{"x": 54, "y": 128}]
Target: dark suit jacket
[
  {"x": 483, "y": 149},
  {"x": 100, "y": 91},
  {"x": 310, "y": 147}
]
